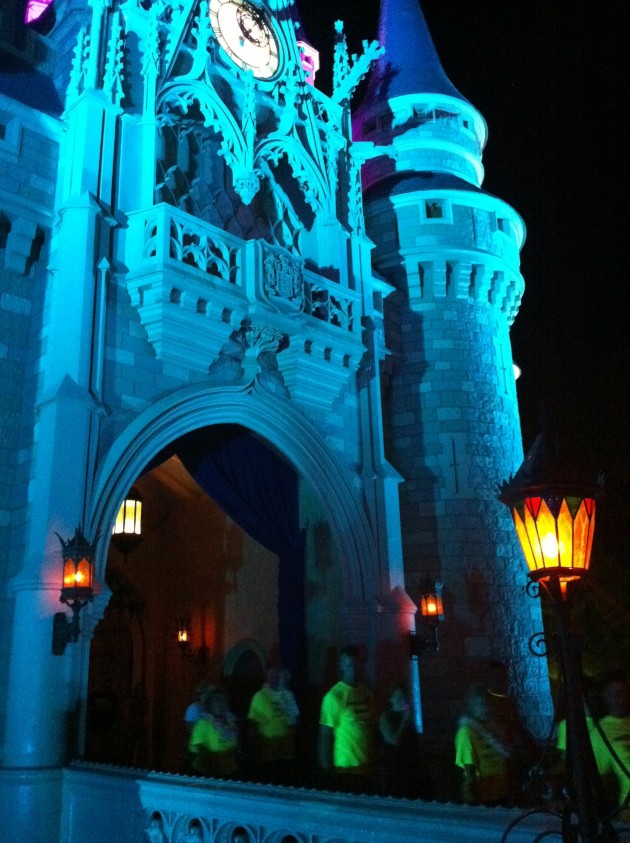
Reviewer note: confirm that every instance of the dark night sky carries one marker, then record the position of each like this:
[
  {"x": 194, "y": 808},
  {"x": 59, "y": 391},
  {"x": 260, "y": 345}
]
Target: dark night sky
[{"x": 549, "y": 77}]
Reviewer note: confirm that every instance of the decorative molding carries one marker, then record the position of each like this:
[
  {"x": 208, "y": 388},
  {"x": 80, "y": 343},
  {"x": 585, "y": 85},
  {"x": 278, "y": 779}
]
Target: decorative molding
[
  {"x": 113, "y": 78},
  {"x": 283, "y": 280}
]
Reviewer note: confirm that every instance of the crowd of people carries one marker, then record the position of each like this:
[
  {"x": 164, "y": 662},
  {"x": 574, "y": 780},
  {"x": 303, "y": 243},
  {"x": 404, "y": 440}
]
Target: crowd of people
[{"x": 359, "y": 751}]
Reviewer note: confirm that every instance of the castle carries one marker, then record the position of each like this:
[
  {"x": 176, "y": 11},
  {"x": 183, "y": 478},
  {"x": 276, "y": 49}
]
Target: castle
[{"x": 283, "y": 318}]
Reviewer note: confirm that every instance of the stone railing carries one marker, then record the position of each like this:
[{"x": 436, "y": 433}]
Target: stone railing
[
  {"x": 193, "y": 285},
  {"x": 132, "y": 806}
]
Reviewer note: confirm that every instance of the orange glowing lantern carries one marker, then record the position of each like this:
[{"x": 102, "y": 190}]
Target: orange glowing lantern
[
  {"x": 554, "y": 517},
  {"x": 431, "y": 607},
  {"x": 76, "y": 588},
  {"x": 78, "y": 556},
  {"x": 183, "y": 633}
]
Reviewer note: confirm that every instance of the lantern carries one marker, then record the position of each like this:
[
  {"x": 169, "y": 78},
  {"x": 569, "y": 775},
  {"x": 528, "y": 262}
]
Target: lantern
[
  {"x": 554, "y": 517},
  {"x": 76, "y": 589},
  {"x": 183, "y": 633},
  {"x": 127, "y": 530},
  {"x": 431, "y": 607}
]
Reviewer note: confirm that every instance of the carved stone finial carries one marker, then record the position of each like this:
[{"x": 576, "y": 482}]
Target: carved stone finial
[
  {"x": 77, "y": 73},
  {"x": 113, "y": 79},
  {"x": 348, "y": 72}
]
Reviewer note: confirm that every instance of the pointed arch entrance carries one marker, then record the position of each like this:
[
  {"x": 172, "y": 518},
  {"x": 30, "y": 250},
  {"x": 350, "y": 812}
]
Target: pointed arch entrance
[
  {"x": 275, "y": 421},
  {"x": 151, "y": 440}
]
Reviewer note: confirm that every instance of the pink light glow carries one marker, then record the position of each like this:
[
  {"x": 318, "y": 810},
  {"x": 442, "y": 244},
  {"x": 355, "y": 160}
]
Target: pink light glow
[{"x": 35, "y": 9}]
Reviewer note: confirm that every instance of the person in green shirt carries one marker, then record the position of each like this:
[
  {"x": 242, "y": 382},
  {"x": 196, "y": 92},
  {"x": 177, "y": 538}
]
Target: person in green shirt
[
  {"x": 482, "y": 751},
  {"x": 612, "y": 749},
  {"x": 346, "y": 727},
  {"x": 213, "y": 743},
  {"x": 273, "y": 716}
]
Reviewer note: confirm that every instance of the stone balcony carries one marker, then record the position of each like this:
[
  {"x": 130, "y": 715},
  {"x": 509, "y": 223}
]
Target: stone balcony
[
  {"x": 105, "y": 804},
  {"x": 193, "y": 285}
]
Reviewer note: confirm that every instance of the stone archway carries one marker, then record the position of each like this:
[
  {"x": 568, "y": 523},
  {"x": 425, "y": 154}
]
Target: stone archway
[{"x": 278, "y": 423}]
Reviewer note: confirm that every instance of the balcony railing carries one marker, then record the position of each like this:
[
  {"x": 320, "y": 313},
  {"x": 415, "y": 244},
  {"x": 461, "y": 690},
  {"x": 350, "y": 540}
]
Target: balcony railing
[
  {"x": 133, "y": 806},
  {"x": 193, "y": 285}
]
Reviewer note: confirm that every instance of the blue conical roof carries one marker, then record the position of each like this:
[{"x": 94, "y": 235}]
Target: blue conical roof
[{"x": 410, "y": 64}]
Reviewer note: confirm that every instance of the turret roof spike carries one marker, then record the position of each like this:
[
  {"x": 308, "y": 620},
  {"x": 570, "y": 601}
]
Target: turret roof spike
[{"x": 410, "y": 64}]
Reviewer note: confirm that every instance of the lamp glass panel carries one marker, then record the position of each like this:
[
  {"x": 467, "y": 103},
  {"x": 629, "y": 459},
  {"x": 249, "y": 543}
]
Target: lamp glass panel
[
  {"x": 429, "y": 605},
  {"x": 566, "y": 548},
  {"x": 548, "y": 537},
  {"x": 583, "y": 536},
  {"x": 120, "y": 520},
  {"x": 533, "y": 539},
  {"x": 69, "y": 572},
  {"x": 591, "y": 533},
  {"x": 521, "y": 532},
  {"x": 83, "y": 576}
]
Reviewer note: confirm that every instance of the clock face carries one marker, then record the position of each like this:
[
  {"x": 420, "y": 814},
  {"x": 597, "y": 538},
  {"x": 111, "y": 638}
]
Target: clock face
[{"x": 245, "y": 33}]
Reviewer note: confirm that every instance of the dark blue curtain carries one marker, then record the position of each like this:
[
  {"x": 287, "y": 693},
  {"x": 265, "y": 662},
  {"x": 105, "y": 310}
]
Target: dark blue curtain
[{"x": 259, "y": 491}]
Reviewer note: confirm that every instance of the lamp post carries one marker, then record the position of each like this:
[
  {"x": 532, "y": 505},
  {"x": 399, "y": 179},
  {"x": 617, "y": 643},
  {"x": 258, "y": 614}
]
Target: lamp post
[{"x": 554, "y": 516}]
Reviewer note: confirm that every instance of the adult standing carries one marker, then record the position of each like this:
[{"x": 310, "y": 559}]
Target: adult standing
[
  {"x": 273, "y": 717},
  {"x": 214, "y": 740},
  {"x": 482, "y": 751},
  {"x": 612, "y": 749},
  {"x": 400, "y": 772},
  {"x": 346, "y": 723}
]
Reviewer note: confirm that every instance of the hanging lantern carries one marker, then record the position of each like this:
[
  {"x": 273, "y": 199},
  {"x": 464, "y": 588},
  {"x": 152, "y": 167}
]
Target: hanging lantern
[{"x": 127, "y": 530}]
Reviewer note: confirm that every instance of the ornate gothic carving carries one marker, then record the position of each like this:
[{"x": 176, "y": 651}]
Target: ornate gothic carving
[{"x": 283, "y": 280}]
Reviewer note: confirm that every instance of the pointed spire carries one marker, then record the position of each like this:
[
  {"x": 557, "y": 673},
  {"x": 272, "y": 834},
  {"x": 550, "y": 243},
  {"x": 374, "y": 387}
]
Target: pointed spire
[{"x": 410, "y": 64}]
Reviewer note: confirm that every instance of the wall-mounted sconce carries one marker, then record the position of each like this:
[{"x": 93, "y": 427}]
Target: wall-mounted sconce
[
  {"x": 76, "y": 591},
  {"x": 432, "y": 612},
  {"x": 188, "y": 652},
  {"x": 127, "y": 531}
]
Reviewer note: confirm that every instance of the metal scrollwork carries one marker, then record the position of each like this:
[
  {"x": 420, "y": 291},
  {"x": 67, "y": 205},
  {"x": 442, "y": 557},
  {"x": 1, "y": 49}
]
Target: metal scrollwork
[
  {"x": 532, "y": 588},
  {"x": 538, "y": 644}
]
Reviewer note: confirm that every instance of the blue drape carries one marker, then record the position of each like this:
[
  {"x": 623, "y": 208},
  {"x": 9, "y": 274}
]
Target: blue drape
[{"x": 259, "y": 491}]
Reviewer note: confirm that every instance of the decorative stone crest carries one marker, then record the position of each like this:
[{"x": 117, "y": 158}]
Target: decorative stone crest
[
  {"x": 283, "y": 280},
  {"x": 247, "y": 185}
]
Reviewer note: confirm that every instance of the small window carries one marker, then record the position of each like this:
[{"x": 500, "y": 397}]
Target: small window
[{"x": 434, "y": 210}]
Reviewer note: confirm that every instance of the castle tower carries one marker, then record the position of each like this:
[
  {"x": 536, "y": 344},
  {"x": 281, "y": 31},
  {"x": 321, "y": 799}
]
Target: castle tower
[{"x": 452, "y": 252}]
